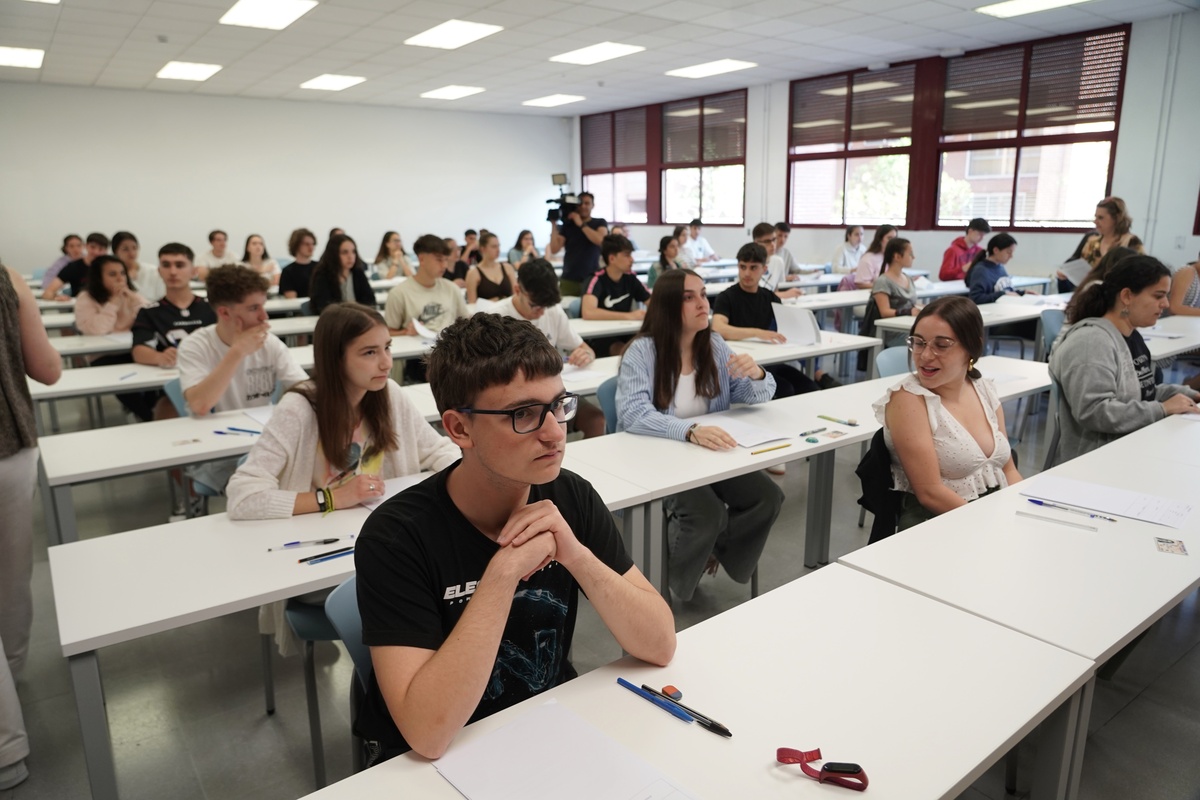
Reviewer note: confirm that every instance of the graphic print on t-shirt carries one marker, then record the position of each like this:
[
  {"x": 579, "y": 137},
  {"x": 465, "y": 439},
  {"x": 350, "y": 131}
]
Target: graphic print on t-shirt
[
  {"x": 534, "y": 660},
  {"x": 260, "y": 383},
  {"x": 610, "y": 301},
  {"x": 430, "y": 312}
]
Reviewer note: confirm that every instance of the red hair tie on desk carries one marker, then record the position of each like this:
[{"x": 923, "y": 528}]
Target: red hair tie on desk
[{"x": 840, "y": 773}]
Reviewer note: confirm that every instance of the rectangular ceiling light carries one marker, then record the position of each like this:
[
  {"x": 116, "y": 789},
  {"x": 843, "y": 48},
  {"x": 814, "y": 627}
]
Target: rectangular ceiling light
[
  {"x": 987, "y": 104},
  {"x": 48, "y": 2},
  {"x": 817, "y": 123},
  {"x": 711, "y": 68},
  {"x": 1038, "y": 112},
  {"x": 452, "y": 92},
  {"x": 866, "y": 126},
  {"x": 453, "y": 34},
  {"x": 695, "y": 112},
  {"x": 552, "y": 100},
  {"x": 1016, "y": 8},
  {"x": 188, "y": 71},
  {"x": 332, "y": 83},
  {"x": 605, "y": 51},
  {"x": 272, "y": 15},
  {"x": 26, "y": 57},
  {"x": 869, "y": 86}
]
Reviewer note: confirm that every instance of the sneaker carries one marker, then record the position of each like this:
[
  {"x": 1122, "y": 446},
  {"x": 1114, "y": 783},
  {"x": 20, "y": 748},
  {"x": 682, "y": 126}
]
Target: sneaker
[
  {"x": 13, "y": 775},
  {"x": 778, "y": 469},
  {"x": 180, "y": 512}
]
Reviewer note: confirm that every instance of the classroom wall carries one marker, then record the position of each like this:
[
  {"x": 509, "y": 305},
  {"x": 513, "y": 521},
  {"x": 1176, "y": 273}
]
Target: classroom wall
[{"x": 172, "y": 167}]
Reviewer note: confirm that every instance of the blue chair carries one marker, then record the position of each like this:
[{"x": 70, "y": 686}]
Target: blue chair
[
  {"x": 306, "y": 308},
  {"x": 342, "y": 609},
  {"x": 606, "y": 393},
  {"x": 312, "y": 625},
  {"x": 174, "y": 392},
  {"x": 892, "y": 361},
  {"x": 1053, "y": 320},
  {"x": 573, "y": 307}
]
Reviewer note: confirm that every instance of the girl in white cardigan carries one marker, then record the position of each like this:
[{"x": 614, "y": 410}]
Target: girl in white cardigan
[{"x": 332, "y": 441}]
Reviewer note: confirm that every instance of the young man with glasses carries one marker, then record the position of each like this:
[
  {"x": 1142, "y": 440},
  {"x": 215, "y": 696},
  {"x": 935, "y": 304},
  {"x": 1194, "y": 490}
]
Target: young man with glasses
[
  {"x": 764, "y": 234},
  {"x": 468, "y": 583}
]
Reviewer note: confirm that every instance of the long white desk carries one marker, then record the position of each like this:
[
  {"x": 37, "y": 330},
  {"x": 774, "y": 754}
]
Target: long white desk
[
  {"x": 1185, "y": 329},
  {"x": 923, "y": 696},
  {"x": 998, "y": 313},
  {"x": 641, "y": 459},
  {"x": 1088, "y": 592}
]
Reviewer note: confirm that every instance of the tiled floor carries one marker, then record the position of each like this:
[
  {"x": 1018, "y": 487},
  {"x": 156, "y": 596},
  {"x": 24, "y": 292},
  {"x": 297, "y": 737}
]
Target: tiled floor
[{"x": 186, "y": 707}]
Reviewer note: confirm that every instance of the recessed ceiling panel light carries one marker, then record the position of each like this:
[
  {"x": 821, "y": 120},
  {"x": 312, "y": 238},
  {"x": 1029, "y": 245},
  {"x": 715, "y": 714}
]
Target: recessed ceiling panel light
[
  {"x": 272, "y": 15},
  {"x": 26, "y": 57},
  {"x": 48, "y": 2},
  {"x": 1015, "y": 8},
  {"x": 332, "y": 83},
  {"x": 188, "y": 71},
  {"x": 712, "y": 68},
  {"x": 552, "y": 100},
  {"x": 987, "y": 104},
  {"x": 453, "y": 34},
  {"x": 452, "y": 92},
  {"x": 605, "y": 51},
  {"x": 869, "y": 86}
]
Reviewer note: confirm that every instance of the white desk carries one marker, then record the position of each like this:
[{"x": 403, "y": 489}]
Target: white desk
[
  {"x": 1090, "y": 593},
  {"x": 925, "y": 697},
  {"x": 832, "y": 344},
  {"x": 1188, "y": 329},
  {"x": 998, "y": 313},
  {"x": 58, "y": 322},
  {"x": 69, "y": 346},
  {"x": 121, "y": 587},
  {"x": 55, "y": 305},
  {"x": 641, "y": 459}
]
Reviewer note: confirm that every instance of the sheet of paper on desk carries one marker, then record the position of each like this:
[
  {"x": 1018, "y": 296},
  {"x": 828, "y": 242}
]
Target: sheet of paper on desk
[
  {"x": 423, "y": 332},
  {"x": 1108, "y": 500},
  {"x": 393, "y": 487},
  {"x": 123, "y": 337},
  {"x": 551, "y": 752},
  {"x": 799, "y": 325},
  {"x": 745, "y": 432},
  {"x": 1076, "y": 270},
  {"x": 260, "y": 414},
  {"x": 1158, "y": 333},
  {"x": 574, "y": 374}
]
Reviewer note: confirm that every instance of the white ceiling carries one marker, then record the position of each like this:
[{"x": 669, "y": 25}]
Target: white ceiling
[{"x": 116, "y": 43}]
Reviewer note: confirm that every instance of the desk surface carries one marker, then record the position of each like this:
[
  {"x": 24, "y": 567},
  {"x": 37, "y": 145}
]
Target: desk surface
[
  {"x": 1187, "y": 327},
  {"x": 998, "y": 313},
  {"x": 1087, "y": 592},
  {"x": 909, "y": 670}
]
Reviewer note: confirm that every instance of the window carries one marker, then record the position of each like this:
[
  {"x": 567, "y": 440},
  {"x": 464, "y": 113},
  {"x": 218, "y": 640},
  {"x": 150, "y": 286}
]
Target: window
[
  {"x": 849, "y": 148},
  {"x": 614, "y": 164},
  {"x": 704, "y": 160},
  {"x": 1028, "y": 132}
]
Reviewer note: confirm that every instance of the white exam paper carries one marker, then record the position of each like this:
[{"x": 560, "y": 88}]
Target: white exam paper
[
  {"x": 552, "y": 752},
  {"x": 393, "y": 487},
  {"x": 1158, "y": 333},
  {"x": 260, "y": 414},
  {"x": 574, "y": 374},
  {"x": 1108, "y": 500},
  {"x": 746, "y": 433},
  {"x": 121, "y": 337},
  {"x": 1076, "y": 270},
  {"x": 423, "y": 332},
  {"x": 798, "y": 325}
]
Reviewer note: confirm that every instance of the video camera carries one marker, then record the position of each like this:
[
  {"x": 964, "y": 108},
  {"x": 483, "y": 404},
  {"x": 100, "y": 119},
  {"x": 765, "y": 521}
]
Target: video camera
[{"x": 566, "y": 202}]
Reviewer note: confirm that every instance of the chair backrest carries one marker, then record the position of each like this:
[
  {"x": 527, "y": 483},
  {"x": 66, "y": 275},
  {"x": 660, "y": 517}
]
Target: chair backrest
[
  {"x": 573, "y": 307},
  {"x": 607, "y": 394},
  {"x": 1055, "y": 420},
  {"x": 306, "y": 308},
  {"x": 1052, "y": 322},
  {"x": 341, "y": 606},
  {"x": 892, "y": 361},
  {"x": 173, "y": 389}
]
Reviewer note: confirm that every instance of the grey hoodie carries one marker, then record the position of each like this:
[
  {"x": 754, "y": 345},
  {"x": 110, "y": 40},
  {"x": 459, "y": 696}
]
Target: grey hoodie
[{"x": 1101, "y": 396}]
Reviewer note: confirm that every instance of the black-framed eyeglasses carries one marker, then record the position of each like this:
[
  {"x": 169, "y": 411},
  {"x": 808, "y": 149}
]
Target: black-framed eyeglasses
[
  {"x": 527, "y": 419},
  {"x": 941, "y": 344}
]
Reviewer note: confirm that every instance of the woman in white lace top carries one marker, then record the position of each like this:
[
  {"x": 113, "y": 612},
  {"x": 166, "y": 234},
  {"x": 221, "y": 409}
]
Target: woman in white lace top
[{"x": 943, "y": 424}]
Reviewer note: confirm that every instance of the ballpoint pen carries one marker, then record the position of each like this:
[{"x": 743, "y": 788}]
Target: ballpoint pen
[
  {"x": 810, "y": 433},
  {"x": 1048, "y": 504},
  {"x": 230, "y": 433},
  {"x": 290, "y": 545},
  {"x": 326, "y": 554},
  {"x": 349, "y": 551},
  {"x": 708, "y": 723},
  {"x": 665, "y": 705},
  {"x": 245, "y": 430}
]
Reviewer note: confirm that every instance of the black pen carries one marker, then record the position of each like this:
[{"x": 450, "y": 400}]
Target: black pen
[
  {"x": 326, "y": 553},
  {"x": 708, "y": 723}
]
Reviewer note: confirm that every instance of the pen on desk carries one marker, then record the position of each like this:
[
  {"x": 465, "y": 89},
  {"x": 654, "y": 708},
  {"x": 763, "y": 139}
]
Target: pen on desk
[
  {"x": 665, "y": 705},
  {"x": 708, "y": 723},
  {"x": 769, "y": 449},
  {"x": 810, "y": 433},
  {"x": 230, "y": 433},
  {"x": 853, "y": 423},
  {"x": 1048, "y": 504},
  {"x": 326, "y": 554},
  {"x": 245, "y": 430},
  {"x": 127, "y": 376},
  {"x": 349, "y": 551},
  {"x": 1057, "y": 521},
  {"x": 290, "y": 545}
]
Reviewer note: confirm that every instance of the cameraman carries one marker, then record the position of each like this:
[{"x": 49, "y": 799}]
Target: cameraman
[{"x": 582, "y": 234}]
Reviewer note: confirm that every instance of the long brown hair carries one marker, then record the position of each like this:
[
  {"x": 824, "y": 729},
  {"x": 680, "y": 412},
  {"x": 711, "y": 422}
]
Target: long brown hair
[
  {"x": 339, "y": 325},
  {"x": 662, "y": 325}
]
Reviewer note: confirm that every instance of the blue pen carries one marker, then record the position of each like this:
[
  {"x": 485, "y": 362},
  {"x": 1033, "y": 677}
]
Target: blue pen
[
  {"x": 1048, "y": 504},
  {"x": 331, "y": 557},
  {"x": 127, "y": 376},
  {"x": 230, "y": 433},
  {"x": 658, "y": 701},
  {"x": 245, "y": 430}
]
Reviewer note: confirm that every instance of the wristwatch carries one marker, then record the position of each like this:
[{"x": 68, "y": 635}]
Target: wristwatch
[
  {"x": 839, "y": 773},
  {"x": 687, "y": 437}
]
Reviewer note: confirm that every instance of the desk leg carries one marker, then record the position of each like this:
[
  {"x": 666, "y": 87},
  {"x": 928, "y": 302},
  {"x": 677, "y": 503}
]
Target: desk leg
[
  {"x": 655, "y": 552},
  {"x": 48, "y": 511},
  {"x": 93, "y": 721},
  {"x": 634, "y": 532},
  {"x": 67, "y": 530},
  {"x": 819, "y": 511},
  {"x": 53, "y": 417},
  {"x": 1057, "y": 740},
  {"x": 871, "y": 353},
  {"x": 1081, "y": 734}
]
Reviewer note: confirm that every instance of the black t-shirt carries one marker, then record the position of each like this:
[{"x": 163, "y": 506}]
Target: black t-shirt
[
  {"x": 580, "y": 257},
  {"x": 458, "y": 272},
  {"x": 296, "y": 278},
  {"x": 1143, "y": 365},
  {"x": 618, "y": 295},
  {"x": 746, "y": 310},
  {"x": 74, "y": 275},
  {"x": 164, "y": 325},
  {"x": 418, "y": 561}
]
